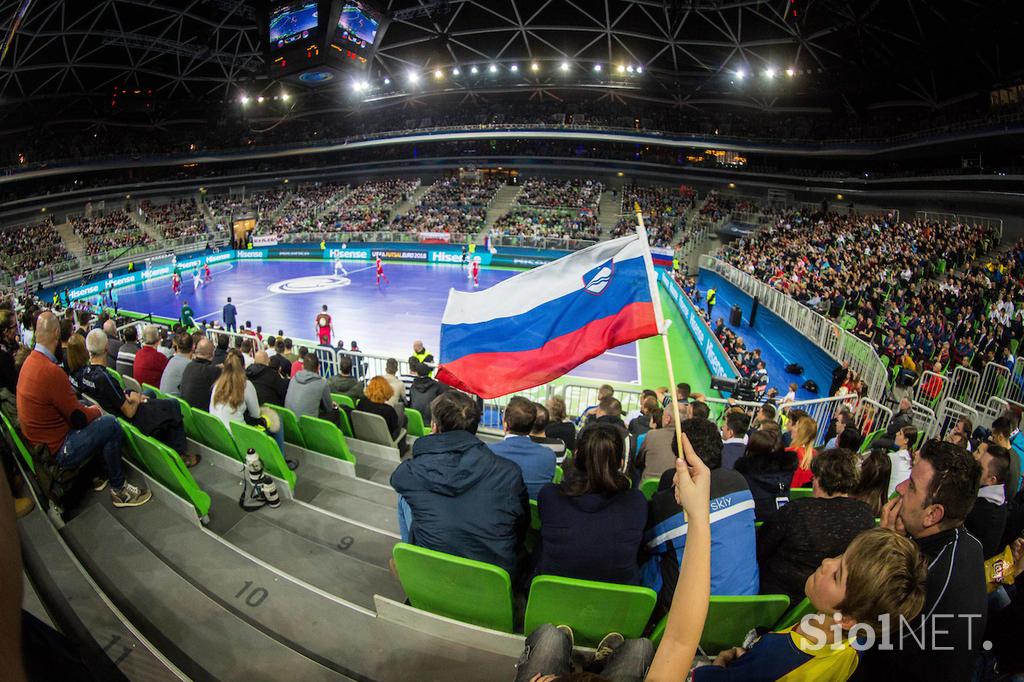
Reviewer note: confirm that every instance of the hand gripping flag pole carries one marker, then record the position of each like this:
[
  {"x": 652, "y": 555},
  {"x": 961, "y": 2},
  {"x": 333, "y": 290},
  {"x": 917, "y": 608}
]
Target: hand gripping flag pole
[{"x": 662, "y": 326}]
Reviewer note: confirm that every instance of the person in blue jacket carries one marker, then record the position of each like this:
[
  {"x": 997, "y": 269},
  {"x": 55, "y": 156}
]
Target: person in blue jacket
[
  {"x": 536, "y": 461},
  {"x": 457, "y": 496}
]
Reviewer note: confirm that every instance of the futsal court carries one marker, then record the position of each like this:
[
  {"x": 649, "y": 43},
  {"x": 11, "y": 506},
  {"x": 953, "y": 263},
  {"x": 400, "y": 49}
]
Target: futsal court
[{"x": 383, "y": 320}]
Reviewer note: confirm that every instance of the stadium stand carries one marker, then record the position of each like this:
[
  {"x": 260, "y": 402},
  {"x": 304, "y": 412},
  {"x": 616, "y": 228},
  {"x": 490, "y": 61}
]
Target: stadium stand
[
  {"x": 27, "y": 248},
  {"x": 450, "y": 205},
  {"x": 112, "y": 232}
]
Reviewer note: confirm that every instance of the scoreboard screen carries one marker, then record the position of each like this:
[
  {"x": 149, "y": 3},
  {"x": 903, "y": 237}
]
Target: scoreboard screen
[{"x": 292, "y": 22}]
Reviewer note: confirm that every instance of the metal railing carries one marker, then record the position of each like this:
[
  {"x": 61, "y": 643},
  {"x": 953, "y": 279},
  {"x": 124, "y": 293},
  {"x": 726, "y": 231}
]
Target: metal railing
[
  {"x": 982, "y": 221},
  {"x": 558, "y": 243}
]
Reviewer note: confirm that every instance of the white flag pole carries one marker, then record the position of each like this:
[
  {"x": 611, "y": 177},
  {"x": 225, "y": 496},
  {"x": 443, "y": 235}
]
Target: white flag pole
[{"x": 652, "y": 279}]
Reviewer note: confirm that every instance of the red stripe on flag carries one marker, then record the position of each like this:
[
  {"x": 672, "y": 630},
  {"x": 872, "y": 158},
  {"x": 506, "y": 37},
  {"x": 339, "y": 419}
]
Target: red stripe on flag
[{"x": 490, "y": 375}]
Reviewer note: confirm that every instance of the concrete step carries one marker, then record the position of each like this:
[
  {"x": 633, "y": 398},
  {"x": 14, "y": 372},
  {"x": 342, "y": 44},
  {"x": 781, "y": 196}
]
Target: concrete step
[
  {"x": 410, "y": 203},
  {"x": 72, "y": 242},
  {"x": 504, "y": 199},
  {"x": 609, "y": 209},
  {"x": 152, "y": 229}
]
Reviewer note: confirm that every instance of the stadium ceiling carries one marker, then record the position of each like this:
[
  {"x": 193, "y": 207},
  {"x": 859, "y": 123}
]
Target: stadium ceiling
[{"x": 849, "y": 55}]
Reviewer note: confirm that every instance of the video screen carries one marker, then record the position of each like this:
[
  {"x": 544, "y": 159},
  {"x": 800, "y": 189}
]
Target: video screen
[
  {"x": 357, "y": 25},
  {"x": 292, "y": 22}
]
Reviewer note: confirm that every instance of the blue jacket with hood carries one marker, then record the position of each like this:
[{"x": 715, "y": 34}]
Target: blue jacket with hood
[{"x": 465, "y": 500}]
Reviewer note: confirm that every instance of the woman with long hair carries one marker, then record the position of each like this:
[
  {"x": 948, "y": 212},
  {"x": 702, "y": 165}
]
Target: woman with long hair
[
  {"x": 592, "y": 523},
  {"x": 234, "y": 397},
  {"x": 873, "y": 486},
  {"x": 804, "y": 431},
  {"x": 768, "y": 469},
  {"x": 375, "y": 401},
  {"x": 559, "y": 425}
]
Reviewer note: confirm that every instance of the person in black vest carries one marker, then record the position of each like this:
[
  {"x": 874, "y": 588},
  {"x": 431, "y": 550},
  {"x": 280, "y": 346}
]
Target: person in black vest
[
  {"x": 199, "y": 376},
  {"x": 839, "y": 375},
  {"x": 988, "y": 518}
]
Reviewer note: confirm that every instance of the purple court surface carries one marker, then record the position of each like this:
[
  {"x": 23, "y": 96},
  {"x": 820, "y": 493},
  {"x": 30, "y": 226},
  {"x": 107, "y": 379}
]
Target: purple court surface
[{"x": 384, "y": 321}]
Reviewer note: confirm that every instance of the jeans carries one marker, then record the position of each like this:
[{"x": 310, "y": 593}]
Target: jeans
[
  {"x": 80, "y": 445},
  {"x": 548, "y": 651},
  {"x": 404, "y": 518},
  {"x": 279, "y": 437}
]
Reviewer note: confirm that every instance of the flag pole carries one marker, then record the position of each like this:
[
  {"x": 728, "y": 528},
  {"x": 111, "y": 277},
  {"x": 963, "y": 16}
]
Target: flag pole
[{"x": 662, "y": 327}]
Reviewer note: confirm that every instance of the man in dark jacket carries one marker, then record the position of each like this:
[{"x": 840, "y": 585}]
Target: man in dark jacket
[
  {"x": 270, "y": 386},
  {"x": 987, "y": 519},
  {"x": 199, "y": 375},
  {"x": 839, "y": 375},
  {"x": 423, "y": 389},
  {"x": 113, "y": 343},
  {"x": 223, "y": 343},
  {"x": 344, "y": 383},
  {"x": 903, "y": 417},
  {"x": 459, "y": 497}
]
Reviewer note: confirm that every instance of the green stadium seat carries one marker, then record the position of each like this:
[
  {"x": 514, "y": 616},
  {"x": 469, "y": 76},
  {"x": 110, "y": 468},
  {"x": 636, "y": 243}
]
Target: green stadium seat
[
  {"x": 793, "y": 616},
  {"x": 729, "y": 619},
  {"x": 190, "y": 423},
  {"x": 454, "y": 587},
  {"x": 292, "y": 432},
  {"x": 592, "y": 609},
  {"x": 534, "y": 515},
  {"x": 559, "y": 474},
  {"x": 18, "y": 443},
  {"x": 866, "y": 445},
  {"x": 798, "y": 493},
  {"x": 117, "y": 376},
  {"x": 649, "y": 486},
  {"x": 216, "y": 435},
  {"x": 156, "y": 391},
  {"x": 131, "y": 445},
  {"x": 324, "y": 437},
  {"x": 266, "y": 447},
  {"x": 342, "y": 400},
  {"x": 166, "y": 466},
  {"x": 415, "y": 424}
]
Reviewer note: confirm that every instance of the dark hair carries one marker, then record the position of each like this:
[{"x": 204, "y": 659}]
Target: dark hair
[
  {"x": 849, "y": 439},
  {"x": 454, "y": 411},
  {"x": 1003, "y": 427},
  {"x": 910, "y": 433},
  {"x": 597, "y": 463},
  {"x": 183, "y": 342},
  {"x": 279, "y": 346},
  {"x": 769, "y": 411},
  {"x": 762, "y": 443},
  {"x": 683, "y": 390},
  {"x": 700, "y": 410},
  {"x": 519, "y": 415},
  {"x": 738, "y": 423},
  {"x": 542, "y": 419},
  {"x": 391, "y": 366},
  {"x": 705, "y": 439},
  {"x": 303, "y": 351},
  {"x": 837, "y": 470},
  {"x": 311, "y": 363},
  {"x": 222, "y": 341},
  {"x": 610, "y": 406},
  {"x": 272, "y": 342},
  {"x": 955, "y": 482},
  {"x": 1000, "y": 464},
  {"x": 130, "y": 334},
  {"x": 287, "y": 343},
  {"x": 873, "y": 484},
  {"x": 229, "y": 299},
  {"x": 345, "y": 364}
]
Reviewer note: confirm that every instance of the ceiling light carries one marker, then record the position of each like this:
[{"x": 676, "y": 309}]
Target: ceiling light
[
  {"x": 597, "y": 67},
  {"x": 413, "y": 77},
  {"x": 791, "y": 72},
  {"x": 456, "y": 72},
  {"x": 244, "y": 99},
  {"x": 535, "y": 67},
  {"x": 621, "y": 69},
  {"x": 564, "y": 66},
  {"x": 740, "y": 74},
  {"x": 260, "y": 99},
  {"x": 769, "y": 72},
  {"x": 284, "y": 96},
  {"x": 492, "y": 68},
  {"x": 438, "y": 74},
  {"x": 629, "y": 69},
  {"x": 514, "y": 68},
  {"x": 474, "y": 70},
  {"x": 639, "y": 69},
  {"x": 387, "y": 81}
]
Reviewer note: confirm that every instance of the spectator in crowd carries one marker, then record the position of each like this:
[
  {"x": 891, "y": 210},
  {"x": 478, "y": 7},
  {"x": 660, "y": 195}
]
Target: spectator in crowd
[
  {"x": 289, "y": 353},
  {"x": 592, "y": 523},
  {"x": 160, "y": 419},
  {"x": 655, "y": 455},
  {"x": 880, "y": 575},
  {"x": 734, "y": 564},
  {"x": 904, "y": 417},
  {"x": 270, "y": 386},
  {"x": 424, "y": 389},
  {"x": 170, "y": 380},
  {"x": 51, "y": 415},
  {"x": 560, "y": 426},
  {"x": 229, "y": 314},
  {"x": 297, "y": 365},
  {"x": 641, "y": 423},
  {"x": 113, "y": 343},
  {"x": 804, "y": 431},
  {"x": 944, "y": 643},
  {"x": 375, "y": 401},
  {"x": 126, "y": 353},
  {"x": 199, "y": 375},
  {"x": 223, "y": 345},
  {"x": 397, "y": 386},
  {"x": 459, "y": 497},
  {"x": 987, "y": 519},
  {"x": 590, "y": 412},
  {"x": 734, "y": 438},
  {"x": 343, "y": 382},
  {"x": 902, "y": 459},
  {"x": 536, "y": 461},
  {"x": 234, "y": 397},
  {"x": 873, "y": 484},
  {"x": 766, "y": 415},
  {"x": 537, "y": 434},
  {"x": 422, "y": 355},
  {"x": 279, "y": 361},
  {"x": 1006, "y": 435},
  {"x": 796, "y": 539},
  {"x": 149, "y": 361},
  {"x": 310, "y": 394},
  {"x": 609, "y": 411},
  {"x": 768, "y": 470}
]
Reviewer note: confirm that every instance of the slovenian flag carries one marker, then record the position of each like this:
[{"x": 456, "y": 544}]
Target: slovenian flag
[{"x": 537, "y": 326}]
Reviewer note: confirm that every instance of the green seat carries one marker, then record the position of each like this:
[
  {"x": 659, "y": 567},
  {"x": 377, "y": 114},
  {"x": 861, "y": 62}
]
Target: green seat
[
  {"x": 534, "y": 515},
  {"x": 189, "y": 420},
  {"x": 649, "y": 486},
  {"x": 592, "y": 609},
  {"x": 343, "y": 400},
  {"x": 729, "y": 619},
  {"x": 131, "y": 445},
  {"x": 117, "y": 376},
  {"x": 559, "y": 474},
  {"x": 166, "y": 466},
  {"x": 19, "y": 444},
  {"x": 793, "y": 616},
  {"x": 156, "y": 391},
  {"x": 798, "y": 493},
  {"x": 266, "y": 447},
  {"x": 659, "y": 631},
  {"x": 414, "y": 423},
  {"x": 324, "y": 437},
  {"x": 292, "y": 432},
  {"x": 216, "y": 435},
  {"x": 454, "y": 587},
  {"x": 866, "y": 445}
]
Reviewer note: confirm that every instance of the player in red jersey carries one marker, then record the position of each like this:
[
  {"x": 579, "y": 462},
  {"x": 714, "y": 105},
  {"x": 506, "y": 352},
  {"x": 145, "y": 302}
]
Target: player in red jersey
[
  {"x": 380, "y": 272},
  {"x": 324, "y": 327},
  {"x": 476, "y": 273},
  {"x": 207, "y": 275},
  {"x": 176, "y": 284}
]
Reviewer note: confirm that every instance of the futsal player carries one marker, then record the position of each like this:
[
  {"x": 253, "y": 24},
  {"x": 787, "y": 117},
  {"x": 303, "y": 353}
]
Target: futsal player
[
  {"x": 197, "y": 279},
  {"x": 176, "y": 283},
  {"x": 339, "y": 268},
  {"x": 380, "y": 272},
  {"x": 476, "y": 272},
  {"x": 207, "y": 275},
  {"x": 324, "y": 326}
]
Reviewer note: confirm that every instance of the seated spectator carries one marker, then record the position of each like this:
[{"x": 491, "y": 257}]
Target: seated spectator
[
  {"x": 375, "y": 401},
  {"x": 608, "y": 411},
  {"x": 768, "y": 470},
  {"x": 279, "y": 360},
  {"x": 987, "y": 518},
  {"x": 149, "y": 363},
  {"x": 424, "y": 388},
  {"x": 804, "y": 431},
  {"x": 309, "y": 393},
  {"x": 397, "y": 386},
  {"x": 797, "y": 538},
  {"x": 160, "y": 419},
  {"x": 343, "y": 382},
  {"x": 536, "y": 461},
  {"x": 592, "y": 523},
  {"x": 590, "y": 412},
  {"x": 113, "y": 343},
  {"x": 234, "y": 397},
  {"x": 297, "y": 363},
  {"x": 734, "y": 438},
  {"x": 641, "y": 423},
  {"x": 51, "y": 415},
  {"x": 199, "y": 375},
  {"x": 223, "y": 345},
  {"x": 904, "y": 417},
  {"x": 537, "y": 435},
  {"x": 655, "y": 455},
  {"x": 873, "y": 484},
  {"x": 733, "y": 563},
  {"x": 560, "y": 426},
  {"x": 170, "y": 380},
  {"x": 880, "y": 575},
  {"x": 902, "y": 459},
  {"x": 270, "y": 386},
  {"x": 459, "y": 497},
  {"x": 126, "y": 353}
]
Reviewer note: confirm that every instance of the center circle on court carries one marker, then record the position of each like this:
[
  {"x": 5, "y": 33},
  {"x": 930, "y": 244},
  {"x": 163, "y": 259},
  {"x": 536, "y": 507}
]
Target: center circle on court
[{"x": 305, "y": 285}]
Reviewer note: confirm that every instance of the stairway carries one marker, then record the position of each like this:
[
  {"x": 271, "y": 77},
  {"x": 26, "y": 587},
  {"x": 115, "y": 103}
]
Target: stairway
[
  {"x": 72, "y": 242},
  {"x": 147, "y": 227},
  {"x": 504, "y": 200},
  {"x": 410, "y": 203},
  {"x": 609, "y": 209}
]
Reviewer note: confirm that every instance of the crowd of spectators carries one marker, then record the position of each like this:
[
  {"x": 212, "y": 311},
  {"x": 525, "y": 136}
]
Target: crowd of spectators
[
  {"x": 181, "y": 218},
  {"x": 575, "y": 193},
  {"x": 366, "y": 208},
  {"x": 114, "y": 231},
  {"x": 523, "y": 221},
  {"x": 664, "y": 210},
  {"x": 27, "y": 248},
  {"x": 303, "y": 206},
  {"x": 224, "y": 208},
  {"x": 450, "y": 205}
]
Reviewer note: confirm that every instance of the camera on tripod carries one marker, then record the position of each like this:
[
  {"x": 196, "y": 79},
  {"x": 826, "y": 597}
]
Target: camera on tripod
[{"x": 741, "y": 388}]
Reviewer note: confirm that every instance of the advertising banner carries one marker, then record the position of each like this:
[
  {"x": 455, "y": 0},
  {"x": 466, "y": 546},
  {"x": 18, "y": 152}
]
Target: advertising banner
[
  {"x": 264, "y": 240},
  {"x": 715, "y": 357},
  {"x": 435, "y": 237}
]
